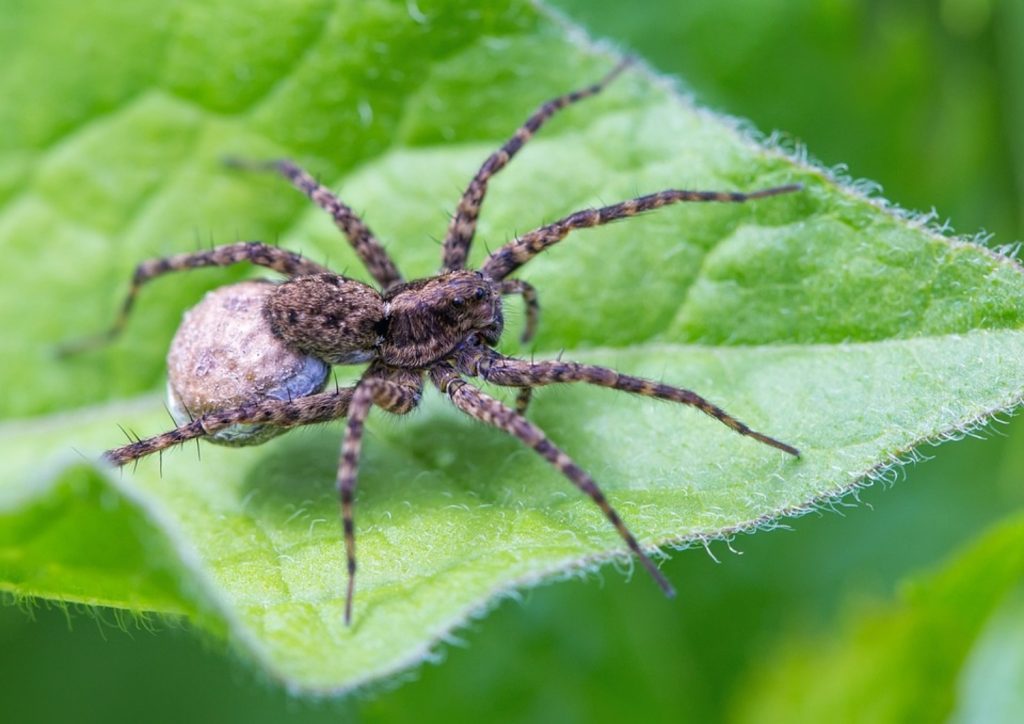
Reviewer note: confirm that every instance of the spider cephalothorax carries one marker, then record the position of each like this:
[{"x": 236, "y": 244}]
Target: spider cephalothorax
[
  {"x": 427, "y": 319},
  {"x": 444, "y": 327},
  {"x": 412, "y": 324}
]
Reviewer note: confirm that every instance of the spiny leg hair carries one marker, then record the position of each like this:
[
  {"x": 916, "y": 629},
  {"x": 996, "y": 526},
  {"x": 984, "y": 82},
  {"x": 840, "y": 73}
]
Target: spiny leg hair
[
  {"x": 463, "y": 225},
  {"x": 255, "y": 252},
  {"x": 366, "y": 245},
  {"x": 517, "y": 252},
  {"x": 488, "y": 410},
  {"x": 505, "y": 371}
]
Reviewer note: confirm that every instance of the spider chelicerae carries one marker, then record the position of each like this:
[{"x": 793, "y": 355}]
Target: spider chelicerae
[{"x": 444, "y": 327}]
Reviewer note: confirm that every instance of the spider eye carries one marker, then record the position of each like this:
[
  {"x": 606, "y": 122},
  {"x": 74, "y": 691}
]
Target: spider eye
[
  {"x": 458, "y": 301},
  {"x": 479, "y": 293}
]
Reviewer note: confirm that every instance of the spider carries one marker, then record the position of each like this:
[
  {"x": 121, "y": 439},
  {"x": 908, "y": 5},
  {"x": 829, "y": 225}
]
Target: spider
[{"x": 444, "y": 327}]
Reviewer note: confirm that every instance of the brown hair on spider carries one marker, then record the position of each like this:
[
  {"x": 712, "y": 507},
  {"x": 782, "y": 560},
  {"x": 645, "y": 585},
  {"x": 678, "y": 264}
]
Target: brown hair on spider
[{"x": 445, "y": 327}]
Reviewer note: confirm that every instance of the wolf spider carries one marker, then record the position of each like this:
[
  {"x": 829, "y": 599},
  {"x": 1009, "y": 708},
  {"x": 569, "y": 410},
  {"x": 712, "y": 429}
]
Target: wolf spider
[{"x": 445, "y": 327}]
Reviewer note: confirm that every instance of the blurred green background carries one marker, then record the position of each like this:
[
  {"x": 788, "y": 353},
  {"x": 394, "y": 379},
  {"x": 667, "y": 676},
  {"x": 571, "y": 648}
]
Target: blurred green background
[{"x": 925, "y": 97}]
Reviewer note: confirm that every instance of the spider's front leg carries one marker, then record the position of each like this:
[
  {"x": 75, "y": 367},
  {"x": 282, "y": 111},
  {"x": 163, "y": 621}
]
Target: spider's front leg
[
  {"x": 321, "y": 407},
  {"x": 254, "y": 252},
  {"x": 366, "y": 245},
  {"x": 396, "y": 391},
  {"x": 463, "y": 225},
  {"x": 517, "y": 252},
  {"x": 486, "y": 409},
  {"x": 497, "y": 369}
]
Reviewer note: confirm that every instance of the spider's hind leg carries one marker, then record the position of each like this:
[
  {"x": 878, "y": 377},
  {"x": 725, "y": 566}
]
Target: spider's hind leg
[
  {"x": 529, "y": 294},
  {"x": 366, "y": 245},
  {"x": 256, "y": 252},
  {"x": 321, "y": 407},
  {"x": 523, "y": 398},
  {"x": 486, "y": 409},
  {"x": 396, "y": 391}
]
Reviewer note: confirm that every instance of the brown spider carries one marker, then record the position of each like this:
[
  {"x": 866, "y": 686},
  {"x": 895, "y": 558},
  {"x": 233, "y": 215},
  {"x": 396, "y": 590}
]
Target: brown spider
[{"x": 445, "y": 326}]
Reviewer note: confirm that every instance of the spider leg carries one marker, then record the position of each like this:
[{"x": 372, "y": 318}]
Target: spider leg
[
  {"x": 322, "y": 407},
  {"x": 256, "y": 252},
  {"x": 520, "y": 250},
  {"x": 523, "y": 399},
  {"x": 367, "y": 246},
  {"x": 500, "y": 370},
  {"x": 463, "y": 225},
  {"x": 400, "y": 393},
  {"x": 482, "y": 407},
  {"x": 518, "y": 286}
]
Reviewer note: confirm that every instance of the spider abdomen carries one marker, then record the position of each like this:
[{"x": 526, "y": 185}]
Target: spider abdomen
[{"x": 336, "y": 319}]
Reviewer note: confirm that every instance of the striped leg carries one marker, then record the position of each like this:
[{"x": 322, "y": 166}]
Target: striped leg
[
  {"x": 523, "y": 399},
  {"x": 366, "y": 245},
  {"x": 517, "y": 252},
  {"x": 255, "y": 252},
  {"x": 398, "y": 394},
  {"x": 500, "y": 370},
  {"x": 518, "y": 286},
  {"x": 482, "y": 407},
  {"x": 322, "y": 407},
  {"x": 463, "y": 225}
]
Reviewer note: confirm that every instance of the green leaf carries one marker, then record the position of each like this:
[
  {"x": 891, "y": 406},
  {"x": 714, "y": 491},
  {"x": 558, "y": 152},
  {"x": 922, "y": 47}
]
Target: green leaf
[
  {"x": 949, "y": 648},
  {"x": 820, "y": 318}
]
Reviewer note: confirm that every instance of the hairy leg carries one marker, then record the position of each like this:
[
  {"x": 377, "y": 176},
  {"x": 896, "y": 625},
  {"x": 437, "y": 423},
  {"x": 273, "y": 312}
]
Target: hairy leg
[
  {"x": 255, "y": 252},
  {"x": 463, "y": 225},
  {"x": 367, "y": 246},
  {"x": 398, "y": 393},
  {"x": 321, "y": 407},
  {"x": 482, "y": 407},
  {"x": 529, "y": 294},
  {"x": 517, "y": 252},
  {"x": 500, "y": 370}
]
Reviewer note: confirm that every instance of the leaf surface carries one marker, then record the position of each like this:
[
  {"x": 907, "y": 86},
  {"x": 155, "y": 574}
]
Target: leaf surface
[{"x": 819, "y": 318}]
